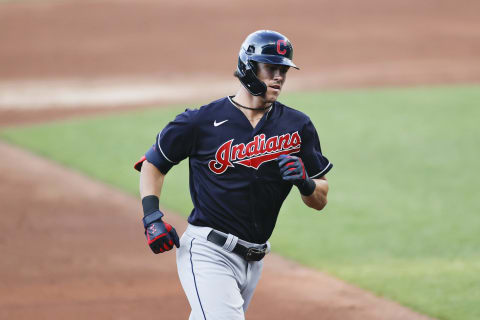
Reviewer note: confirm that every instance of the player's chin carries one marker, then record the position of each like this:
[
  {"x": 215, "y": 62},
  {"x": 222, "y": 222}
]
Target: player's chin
[{"x": 272, "y": 94}]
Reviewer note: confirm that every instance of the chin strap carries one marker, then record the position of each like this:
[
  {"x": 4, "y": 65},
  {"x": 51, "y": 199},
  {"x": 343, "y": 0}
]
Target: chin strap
[{"x": 244, "y": 107}]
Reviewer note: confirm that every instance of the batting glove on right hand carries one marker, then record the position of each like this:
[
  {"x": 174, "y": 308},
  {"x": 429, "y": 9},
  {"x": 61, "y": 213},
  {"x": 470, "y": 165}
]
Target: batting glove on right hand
[{"x": 160, "y": 235}]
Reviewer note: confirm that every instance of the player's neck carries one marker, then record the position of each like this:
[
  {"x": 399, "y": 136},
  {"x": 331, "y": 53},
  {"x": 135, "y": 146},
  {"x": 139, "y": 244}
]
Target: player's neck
[{"x": 251, "y": 106}]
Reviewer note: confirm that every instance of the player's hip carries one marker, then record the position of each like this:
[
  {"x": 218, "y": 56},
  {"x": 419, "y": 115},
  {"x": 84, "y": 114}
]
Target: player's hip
[{"x": 247, "y": 250}]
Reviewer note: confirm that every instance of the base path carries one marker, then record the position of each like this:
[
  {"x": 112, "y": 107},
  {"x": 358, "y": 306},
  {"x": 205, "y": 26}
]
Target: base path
[{"x": 74, "y": 248}]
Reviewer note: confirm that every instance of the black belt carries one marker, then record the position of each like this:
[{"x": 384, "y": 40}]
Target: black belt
[{"x": 248, "y": 253}]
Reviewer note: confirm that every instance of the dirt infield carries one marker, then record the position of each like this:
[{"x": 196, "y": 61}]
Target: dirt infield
[
  {"x": 382, "y": 41},
  {"x": 73, "y": 248},
  {"x": 345, "y": 43},
  {"x": 76, "y": 250}
]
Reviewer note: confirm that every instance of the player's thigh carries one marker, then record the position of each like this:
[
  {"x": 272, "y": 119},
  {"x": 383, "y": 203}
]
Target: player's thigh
[
  {"x": 253, "y": 276},
  {"x": 208, "y": 281}
]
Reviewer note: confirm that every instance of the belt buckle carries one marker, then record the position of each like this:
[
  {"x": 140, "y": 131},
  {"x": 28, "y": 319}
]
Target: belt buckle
[{"x": 254, "y": 254}]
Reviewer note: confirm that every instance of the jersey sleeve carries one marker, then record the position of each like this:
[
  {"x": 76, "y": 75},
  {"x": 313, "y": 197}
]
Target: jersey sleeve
[
  {"x": 173, "y": 144},
  {"x": 316, "y": 164}
]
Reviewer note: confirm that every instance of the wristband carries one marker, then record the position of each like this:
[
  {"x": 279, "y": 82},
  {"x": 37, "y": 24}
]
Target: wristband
[
  {"x": 152, "y": 217},
  {"x": 150, "y": 204},
  {"x": 307, "y": 187}
]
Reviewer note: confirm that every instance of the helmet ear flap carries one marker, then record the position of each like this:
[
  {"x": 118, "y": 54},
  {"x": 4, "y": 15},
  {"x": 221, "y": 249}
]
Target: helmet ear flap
[
  {"x": 246, "y": 73},
  {"x": 253, "y": 66},
  {"x": 250, "y": 81}
]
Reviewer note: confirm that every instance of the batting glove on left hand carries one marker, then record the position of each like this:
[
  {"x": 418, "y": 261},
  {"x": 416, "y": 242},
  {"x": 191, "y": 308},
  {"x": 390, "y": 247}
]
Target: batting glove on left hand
[
  {"x": 160, "y": 235},
  {"x": 293, "y": 170}
]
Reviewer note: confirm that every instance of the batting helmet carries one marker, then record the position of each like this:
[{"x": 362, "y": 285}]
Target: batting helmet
[{"x": 262, "y": 46}]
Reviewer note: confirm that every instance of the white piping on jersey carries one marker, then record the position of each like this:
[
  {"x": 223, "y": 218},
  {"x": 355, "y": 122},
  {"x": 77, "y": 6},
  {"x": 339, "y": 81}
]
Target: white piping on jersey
[
  {"x": 160, "y": 148},
  {"x": 316, "y": 175},
  {"x": 229, "y": 99}
]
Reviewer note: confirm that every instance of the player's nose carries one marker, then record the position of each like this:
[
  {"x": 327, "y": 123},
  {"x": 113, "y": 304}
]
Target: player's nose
[{"x": 278, "y": 76}]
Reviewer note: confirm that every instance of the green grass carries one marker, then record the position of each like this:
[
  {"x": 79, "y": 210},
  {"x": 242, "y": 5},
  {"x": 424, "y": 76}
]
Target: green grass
[{"x": 402, "y": 220}]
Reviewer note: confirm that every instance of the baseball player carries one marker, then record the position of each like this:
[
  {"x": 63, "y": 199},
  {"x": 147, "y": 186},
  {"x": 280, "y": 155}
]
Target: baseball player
[{"x": 245, "y": 153}]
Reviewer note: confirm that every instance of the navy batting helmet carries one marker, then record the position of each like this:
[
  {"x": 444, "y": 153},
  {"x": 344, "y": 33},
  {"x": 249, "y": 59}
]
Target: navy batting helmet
[{"x": 262, "y": 46}]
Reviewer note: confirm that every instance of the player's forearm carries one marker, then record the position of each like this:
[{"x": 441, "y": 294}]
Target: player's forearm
[
  {"x": 318, "y": 199},
  {"x": 151, "y": 180}
]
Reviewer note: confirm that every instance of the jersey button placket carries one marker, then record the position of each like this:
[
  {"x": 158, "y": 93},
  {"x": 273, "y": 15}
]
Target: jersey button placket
[{"x": 252, "y": 193}]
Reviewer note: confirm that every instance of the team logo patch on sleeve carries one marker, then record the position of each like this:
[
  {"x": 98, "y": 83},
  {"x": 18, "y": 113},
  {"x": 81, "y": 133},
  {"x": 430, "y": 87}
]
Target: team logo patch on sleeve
[{"x": 254, "y": 153}]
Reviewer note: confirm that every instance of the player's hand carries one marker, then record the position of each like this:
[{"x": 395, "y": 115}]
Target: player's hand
[
  {"x": 293, "y": 170},
  {"x": 160, "y": 235}
]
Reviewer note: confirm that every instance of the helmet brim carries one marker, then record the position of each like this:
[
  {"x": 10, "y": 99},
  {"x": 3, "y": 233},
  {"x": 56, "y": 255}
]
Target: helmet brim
[{"x": 273, "y": 59}]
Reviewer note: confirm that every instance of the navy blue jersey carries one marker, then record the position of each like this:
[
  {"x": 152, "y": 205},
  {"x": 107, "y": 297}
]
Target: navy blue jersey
[{"x": 235, "y": 184}]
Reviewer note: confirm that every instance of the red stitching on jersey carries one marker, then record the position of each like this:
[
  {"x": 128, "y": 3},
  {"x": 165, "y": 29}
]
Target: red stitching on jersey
[{"x": 255, "y": 152}]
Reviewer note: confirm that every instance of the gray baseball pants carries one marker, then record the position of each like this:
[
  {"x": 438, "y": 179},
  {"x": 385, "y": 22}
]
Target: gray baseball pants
[{"x": 218, "y": 283}]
